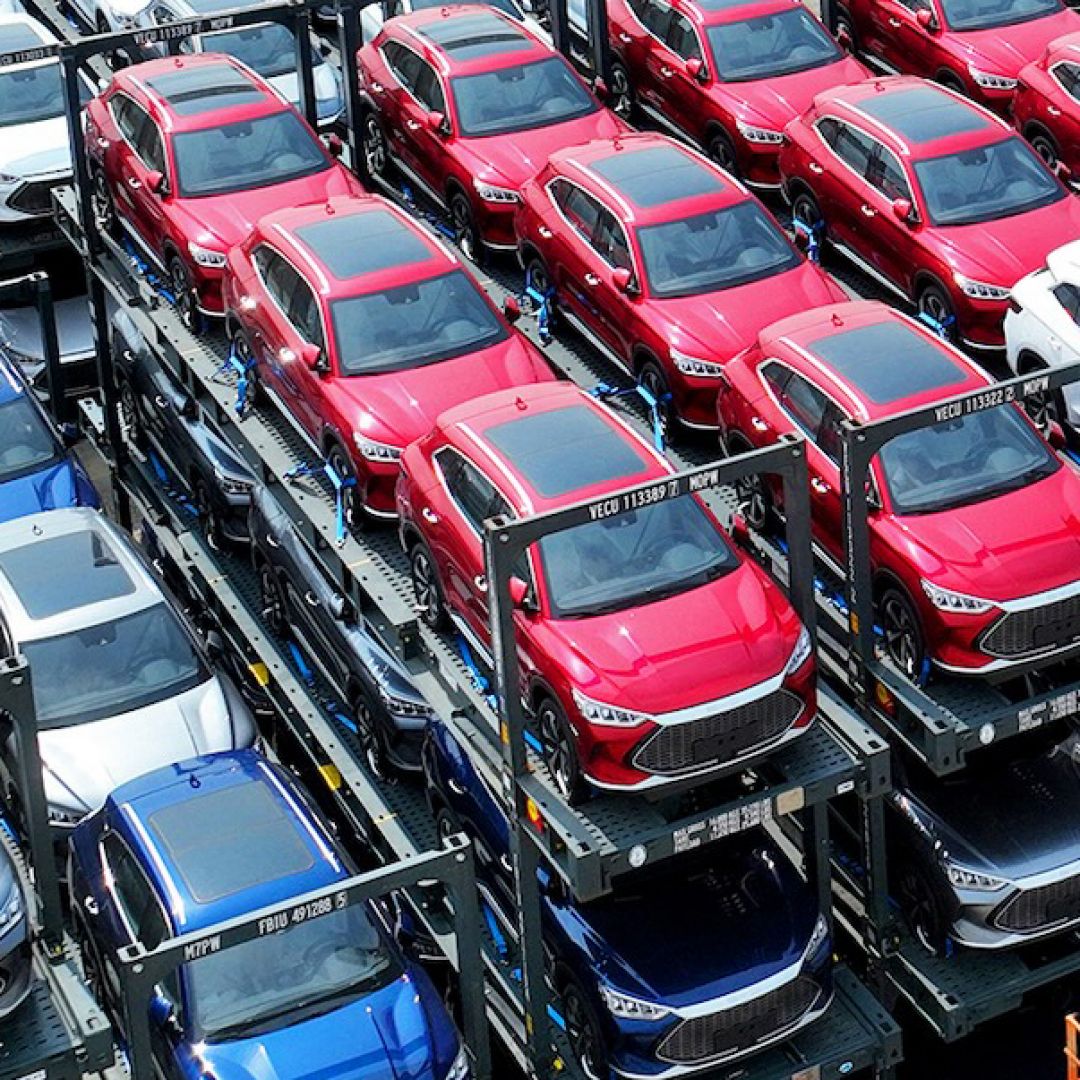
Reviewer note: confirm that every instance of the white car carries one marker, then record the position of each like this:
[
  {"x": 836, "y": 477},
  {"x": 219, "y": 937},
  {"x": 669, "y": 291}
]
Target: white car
[
  {"x": 34, "y": 152},
  {"x": 121, "y": 684},
  {"x": 106, "y": 16},
  {"x": 1042, "y": 327}
]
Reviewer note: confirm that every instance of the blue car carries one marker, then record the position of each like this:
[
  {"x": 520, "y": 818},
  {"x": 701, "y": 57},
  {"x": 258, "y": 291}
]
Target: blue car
[
  {"x": 37, "y": 471},
  {"x": 686, "y": 966},
  {"x": 216, "y": 837}
]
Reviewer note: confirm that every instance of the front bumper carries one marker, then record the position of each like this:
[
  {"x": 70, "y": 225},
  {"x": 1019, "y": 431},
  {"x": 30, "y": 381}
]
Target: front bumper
[
  {"x": 29, "y": 198},
  {"x": 495, "y": 223},
  {"x": 980, "y": 322},
  {"x": 758, "y": 163},
  {"x": 206, "y": 281}
]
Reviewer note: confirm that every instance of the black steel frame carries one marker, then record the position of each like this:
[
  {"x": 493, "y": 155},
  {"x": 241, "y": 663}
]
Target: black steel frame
[{"x": 34, "y": 288}]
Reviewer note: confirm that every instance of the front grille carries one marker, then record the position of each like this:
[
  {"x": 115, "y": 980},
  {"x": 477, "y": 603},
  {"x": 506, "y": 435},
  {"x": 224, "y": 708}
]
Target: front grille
[
  {"x": 1027, "y": 633},
  {"x": 718, "y": 738},
  {"x": 741, "y": 1028},
  {"x": 1041, "y": 908},
  {"x": 35, "y": 196}
]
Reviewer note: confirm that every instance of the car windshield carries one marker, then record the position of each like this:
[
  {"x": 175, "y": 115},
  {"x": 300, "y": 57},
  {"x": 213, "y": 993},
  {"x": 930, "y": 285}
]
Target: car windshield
[
  {"x": 986, "y": 183},
  {"x": 964, "y": 461},
  {"x": 34, "y": 93},
  {"x": 269, "y": 49},
  {"x": 519, "y": 97},
  {"x": 112, "y": 667},
  {"x": 636, "y": 558},
  {"x": 715, "y": 250},
  {"x": 412, "y": 325},
  {"x": 987, "y": 14},
  {"x": 770, "y": 45},
  {"x": 310, "y": 967},
  {"x": 26, "y": 443},
  {"x": 248, "y": 154}
]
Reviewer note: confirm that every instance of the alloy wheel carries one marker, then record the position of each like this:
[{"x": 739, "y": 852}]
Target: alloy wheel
[
  {"x": 461, "y": 216},
  {"x": 585, "y": 1039},
  {"x": 622, "y": 93},
  {"x": 367, "y": 731},
  {"x": 351, "y": 506},
  {"x": 427, "y": 589},
  {"x": 558, "y": 754},
  {"x": 272, "y": 601},
  {"x": 903, "y": 636},
  {"x": 375, "y": 153}
]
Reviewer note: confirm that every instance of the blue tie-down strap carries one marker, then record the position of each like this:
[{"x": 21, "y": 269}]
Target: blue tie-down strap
[
  {"x": 144, "y": 269},
  {"x": 603, "y": 391},
  {"x": 245, "y": 383},
  {"x": 554, "y": 1015},
  {"x": 338, "y": 482},
  {"x": 437, "y": 222},
  {"x": 940, "y": 327},
  {"x": 812, "y": 235},
  {"x": 493, "y": 928},
  {"x": 541, "y": 304},
  {"x": 304, "y": 670}
]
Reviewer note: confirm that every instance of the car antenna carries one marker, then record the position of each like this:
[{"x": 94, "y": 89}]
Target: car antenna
[
  {"x": 330, "y": 208},
  {"x": 382, "y": 1039},
  {"x": 520, "y": 403},
  {"x": 836, "y": 320}
]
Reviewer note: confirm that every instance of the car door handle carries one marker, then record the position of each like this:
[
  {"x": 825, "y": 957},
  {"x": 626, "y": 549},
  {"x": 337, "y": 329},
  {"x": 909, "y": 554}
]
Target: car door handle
[
  {"x": 377, "y": 87},
  {"x": 272, "y": 542},
  {"x": 480, "y": 582},
  {"x": 457, "y": 787},
  {"x": 819, "y": 485},
  {"x": 591, "y": 279},
  {"x": 413, "y": 125},
  {"x": 816, "y": 169},
  {"x": 311, "y": 599},
  {"x": 624, "y": 37},
  {"x": 134, "y": 183},
  {"x": 868, "y": 211},
  {"x": 666, "y": 72},
  {"x": 429, "y": 516},
  {"x": 895, "y": 23},
  {"x": 161, "y": 402},
  {"x": 102, "y": 142},
  {"x": 545, "y": 232},
  {"x": 1052, "y": 110},
  {"x": 91, "y": 905},
  {"x": 759, "y": 425}
]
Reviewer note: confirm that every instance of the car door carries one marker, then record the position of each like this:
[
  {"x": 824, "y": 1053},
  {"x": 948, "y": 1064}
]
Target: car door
[
  {"x": 142, "y": 152},
  {"x": 397, "y": 101},
  {"x": 425, "y": 140},
  {"x": 899, "y": 39},
  {"x": 305, "y": 315},
  {"x": 838, "y": 176},
  {"x": 1065, "y": 123},
  {"x": 615, "y": 311},
  {"x": 651, "y": 51},
  {"x": 680, "y": 91},
  {"x": 891, "y": 244}
]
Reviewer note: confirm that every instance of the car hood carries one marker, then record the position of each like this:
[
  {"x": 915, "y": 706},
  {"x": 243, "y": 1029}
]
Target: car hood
[
  {"x": 385, "y": 1034},
  {"x": 400, "y": 406},
  {"x": 20, "y": 330},
  {"x": 718, "y": 325},
  {"x": 1006, "y": 49},
  {"x": 775, "y": 101},
  {"x": 747, "y": 919},
  {"x": 49, "y": 489},
  {"x": 512, "y": 159},
  {"x": 1002, "y": 252},
  {"x": 231, "y": 218},
  {"x": 1015, "y": 820},
  {"x": 1020, "y": 543},
  {"x": 39, "y": 149},
  {"x": 85, "y": 762},
  {"x": 687, "y": 649}
]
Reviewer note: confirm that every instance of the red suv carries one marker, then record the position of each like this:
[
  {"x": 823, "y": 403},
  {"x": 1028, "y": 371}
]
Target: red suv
[
  {"x": 663, "y": 260},
  {"x": 975, "y": 523},
  {"x": 933, "y": 196},
  {"x": 651, "y": 649},
  {"x": 187, "y": 153},
  {"x": 975, "y": 46},
  {"x": 1046, "y": 109},
  {"x": 469, "y": 104},
  {"x": 728, "y": 76},
  {"x": 366, "y": 328}
]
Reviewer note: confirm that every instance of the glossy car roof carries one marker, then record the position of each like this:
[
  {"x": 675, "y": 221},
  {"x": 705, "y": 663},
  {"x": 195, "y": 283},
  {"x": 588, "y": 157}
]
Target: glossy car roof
[
  {"x": 716, "y": 12},
  {"x": 66, "y": 569},
  {"x": 627, "y": 189},
  {"x": 223, "y": 835},
  {"x": 138, "y": 81},
  {"x": 922, "y": 119},
  {"x": 433, "y": 29},
  {"x": 892, "y": 382},
  {"x": 350, "y": 246},
  {"x": 577, "y": 455}
]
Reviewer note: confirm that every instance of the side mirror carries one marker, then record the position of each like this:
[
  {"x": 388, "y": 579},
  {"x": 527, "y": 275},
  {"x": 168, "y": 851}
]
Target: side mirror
[
  {"x": 695, "y": 68},
  {"x": 622, "y": 279},
  {"x": 69, "y": 434},
  {"x": 163, "y": 1013},
  {"x": 156, "y": 182},
  {"x": 337, "y": 606},
  {"x": 215, "y": 646},
  {"x": 873, "y": 499},
  {"x": 313, "y": 357},
  {"x": 511, "y": 309},
  {"x": 519, "y": 593},
  {"x": 1063, "y": 172},
  {"x": 740, "y": 531},
  {"x": 190, "y": 409},
  {"x": 437, "y": 122},
  {"x": 925, "y": 18},
  {"x": 601, "y": 89},
  {"x": 901, "y": 209},
  {"x": 334, "y": 145},
  {"x": 1055, "y": 435}
]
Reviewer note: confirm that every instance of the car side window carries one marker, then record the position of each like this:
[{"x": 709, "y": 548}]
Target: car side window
[
  {"x": 829, "y": 435},
  {"x": 655, "y": 16},
  {"x": 582, "y": 210},
  {"x": 1069, "y": 77},
  {"x": 471, "y": 490},
  {"x": 851, "y": 146},
  {"x": 151, "y": 147},
  {"x": 134, "y": 897},
  {"x": 162, "y": 14},
  {"x": 887, "y": 174},
  {"x": 805, "y": 404},
  {"x": 1068, "y": 296},
  {"x": 403, "y": 62},
  {"x": 776, "y": 376},
  {"x": 127, "y": 116},
  {"x": 428, "y": 89},
  {"x": 915, "y": 5},
  {"x": 303, "y": 312},
  {"x": 279, "y": 277},
  {"x": 681, "y": 39},
  {"x": 609, "y": 240}
]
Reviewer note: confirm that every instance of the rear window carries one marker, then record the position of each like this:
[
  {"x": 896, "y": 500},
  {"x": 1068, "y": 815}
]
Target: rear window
[
  {"x": 923, "y": 114},
  {"x": 888, "y": 361},
  {"x": 61, "y": 573},
  {"x": 565, "y": 450},
  {"x": 657, "y": 175},
  {"x": 354, "y": 244}
]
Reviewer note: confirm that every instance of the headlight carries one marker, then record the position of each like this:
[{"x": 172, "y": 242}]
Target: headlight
[
  {"x": 628, "y": 1008},
  {"x": 206, "y": 256},
  {"x": 460, "y": 1070},
  {"x": 759, "y": 134},
  {"x": 947, "y": 600},
  {"x": 231, "y": 486},
  {"x": 491, "y": 193},
  {"x": 403, "y": 706},
  {"x": 371, "y": 450},
  {"x": 989, "y": 81},
  {"x": 13, "y": 907},
  {"x": 803, "y": 648},
  {"x": 817, "y": 936},
  {"x": 693, "y": 365},
  {"x": 596, "y": 712},
  {"x": 981, "y": 290},
  {"x": 963, "y": 878}
]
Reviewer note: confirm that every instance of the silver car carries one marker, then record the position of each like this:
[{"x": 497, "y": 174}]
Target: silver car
[{"x": 121, "y": 685}]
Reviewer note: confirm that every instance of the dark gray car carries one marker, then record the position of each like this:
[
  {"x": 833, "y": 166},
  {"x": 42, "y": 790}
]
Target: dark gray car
[{"x": 16, "y": 976}]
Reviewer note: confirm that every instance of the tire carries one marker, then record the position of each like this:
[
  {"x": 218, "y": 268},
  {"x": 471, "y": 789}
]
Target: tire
[
  {"x": 1045, "y": 145},
  {"x": 584, "y": 1032},
  {"x": 466, "y": 233},
  {"x": 127, "y": 415},
  {"x": 104, "y": 205},
  {"x": 428, "y": 589},
  {"x": 208, "y": 517},
  {"x": 904, "y": 641},
  {"x": 755, "y": 500},
  {"x": 1043, "y": 409},
  {"x": 352, "y": 505},
  {"x": 652, "y": 377},
  {"x": 183, "y": 293},
  {"x": 934, "y": 301},
  {"x": 536, "y": 272},
  {"x": 371, "y": 733},
  {"x": 446, "y": 825},
  {"x": 246, "y": 355},
  {"x": 721, "y": 149},
  {"x": 807, "y": 209},
  {"x": 560, "y": 753},
  {"x": 846, "y": 22},
  {"x": 622, "y": 100},
  {"x": 376, "y": 154},
  {"x": 922, "y": 906},
  {"x": 272, "y": 601}
]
